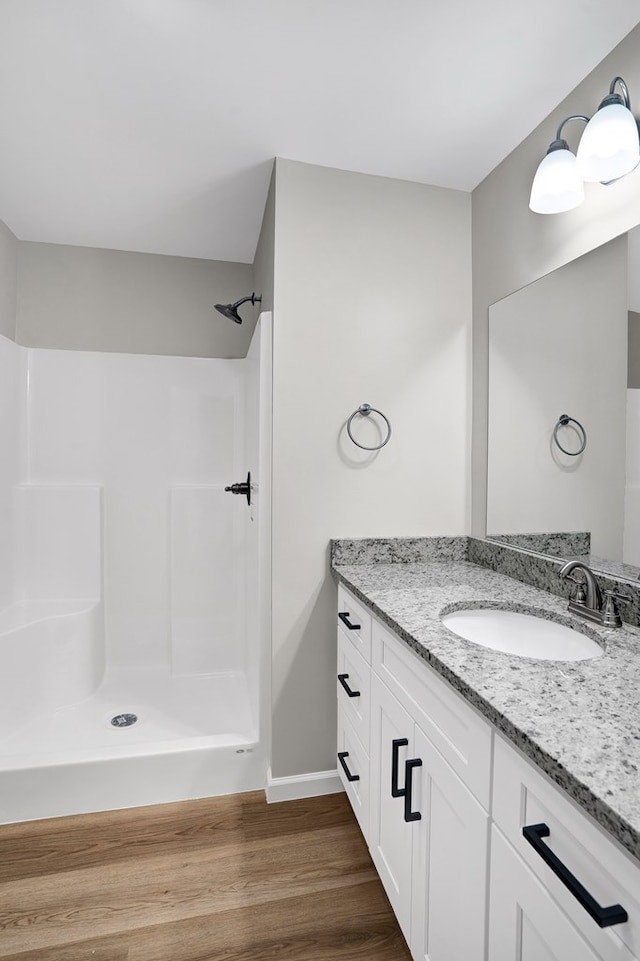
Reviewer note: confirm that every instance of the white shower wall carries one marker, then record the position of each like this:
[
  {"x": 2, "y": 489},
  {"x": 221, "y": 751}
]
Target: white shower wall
[
  {"x": 57, "y": 543},
  {"x": 162, "y": 436},
  {"x": 12, "y": 382},
  {"x": 258, "y": 441}
]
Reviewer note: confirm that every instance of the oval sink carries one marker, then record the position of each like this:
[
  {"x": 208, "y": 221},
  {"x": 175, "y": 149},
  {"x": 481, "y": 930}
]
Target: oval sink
[{"x": 525, "y": 635}]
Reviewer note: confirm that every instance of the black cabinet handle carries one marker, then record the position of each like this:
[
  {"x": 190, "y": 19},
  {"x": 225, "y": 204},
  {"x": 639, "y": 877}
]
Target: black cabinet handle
[
  {"x": 395, "y": 748},
  {"x": 343, "y": 680},
  {"x": 604, "y": 917},
  {"x": 410, "y": 815},
  {"x": 341, "y": 758},
  {"x": 344, "y": 617}
]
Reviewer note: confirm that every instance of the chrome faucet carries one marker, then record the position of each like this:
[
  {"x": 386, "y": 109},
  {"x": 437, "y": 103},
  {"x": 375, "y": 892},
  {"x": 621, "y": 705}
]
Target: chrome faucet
[
  {"x": 582, "y": 604},
  {"x": 588, "y": 602}
]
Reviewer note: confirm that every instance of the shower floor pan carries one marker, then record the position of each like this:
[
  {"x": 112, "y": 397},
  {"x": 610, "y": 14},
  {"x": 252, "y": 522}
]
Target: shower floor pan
[{"x": 193, "y": 737}]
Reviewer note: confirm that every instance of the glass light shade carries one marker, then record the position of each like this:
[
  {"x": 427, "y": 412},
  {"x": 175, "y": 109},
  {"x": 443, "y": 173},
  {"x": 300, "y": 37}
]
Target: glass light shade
[
  {"x": 557, "y": 186},
  {"x": 609, "y": 147}
]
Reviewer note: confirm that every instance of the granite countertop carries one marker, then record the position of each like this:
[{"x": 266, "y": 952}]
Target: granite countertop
[{"x": 577, "y": 720}]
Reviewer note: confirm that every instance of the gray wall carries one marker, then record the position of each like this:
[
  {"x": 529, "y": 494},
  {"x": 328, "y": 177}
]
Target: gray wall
[
  {"x": 372, "y": 304},
  {"x": 8, "y": 281},
  {"x": 84, "y": 298},
  {"x": 513, "y": 246},
  {"x": 633, "y": 379}
]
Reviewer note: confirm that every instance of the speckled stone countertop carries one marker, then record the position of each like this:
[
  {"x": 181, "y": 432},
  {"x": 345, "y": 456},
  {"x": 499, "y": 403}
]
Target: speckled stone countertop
[{"x": 579, "y": 721}]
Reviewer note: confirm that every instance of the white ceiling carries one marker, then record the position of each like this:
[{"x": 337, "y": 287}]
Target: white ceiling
[{"x": 151, "y": 124}]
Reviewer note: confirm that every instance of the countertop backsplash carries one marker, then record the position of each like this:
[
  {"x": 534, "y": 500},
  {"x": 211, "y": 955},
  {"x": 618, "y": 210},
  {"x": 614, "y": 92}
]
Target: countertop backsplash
[{"x": 554, "y": 543}]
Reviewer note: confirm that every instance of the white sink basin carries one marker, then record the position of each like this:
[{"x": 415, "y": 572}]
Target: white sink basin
[{"x": 523, "y": 634}]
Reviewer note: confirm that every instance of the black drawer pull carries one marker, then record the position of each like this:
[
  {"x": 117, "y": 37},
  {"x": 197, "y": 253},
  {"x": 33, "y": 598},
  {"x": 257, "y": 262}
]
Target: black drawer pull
[
  {"x": 341, "y": 758},
  {"x": 343, "y": 680},
  {"x": 344, "y": 617},
  {"x": 410, "y": 815},
  {"x": 604, "y": 917},
  {"x": 395, "y": 748}
]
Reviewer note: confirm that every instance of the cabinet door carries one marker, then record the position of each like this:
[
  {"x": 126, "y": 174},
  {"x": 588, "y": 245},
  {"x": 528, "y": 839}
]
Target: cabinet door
[
  {"x": 353, "y": 768},
  {"x": 449, "y": 894},
  {"x": 353, "y": 683},
  {"x": 525, "y": 923},
  {"x": 391, "y": 838}
]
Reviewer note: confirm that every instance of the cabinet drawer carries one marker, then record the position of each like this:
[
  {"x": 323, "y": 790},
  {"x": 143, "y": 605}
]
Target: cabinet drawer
[
  {"x": 354, "y": 688},
  {"x": 528, "y": 925},
  {"x": 355, "y": 761},
  {"x": 355, "y": 622},
  {"x": 461, "y": 734},
  {"x": 523, "y": 795}
]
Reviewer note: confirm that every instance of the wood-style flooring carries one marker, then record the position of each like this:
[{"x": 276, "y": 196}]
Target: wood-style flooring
[{"x": 221, "y": 879}]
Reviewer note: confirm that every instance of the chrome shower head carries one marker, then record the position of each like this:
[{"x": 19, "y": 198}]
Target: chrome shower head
[{"x": 231, "y": 310}]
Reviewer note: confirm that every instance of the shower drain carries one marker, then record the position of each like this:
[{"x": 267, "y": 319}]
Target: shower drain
[{"x": 124, "y": 720}]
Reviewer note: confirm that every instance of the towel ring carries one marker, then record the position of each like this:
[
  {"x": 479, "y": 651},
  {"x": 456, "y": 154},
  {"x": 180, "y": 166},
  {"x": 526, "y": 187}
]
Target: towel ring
[
  {"x": 563, "y": 420},
  {"x": 365, "y": 410}
]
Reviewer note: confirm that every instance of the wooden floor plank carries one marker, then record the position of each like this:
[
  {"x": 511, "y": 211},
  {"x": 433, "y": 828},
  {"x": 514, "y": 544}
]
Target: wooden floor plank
[
  {"x": 357, "y": 928},
  {"x": 37, "y": 848},
  {"x": 147, "y": 890},
  {"x": 226, "y": 878},
  {"x": 358, "y": 925},
  {"x": 100, "y": 949}
]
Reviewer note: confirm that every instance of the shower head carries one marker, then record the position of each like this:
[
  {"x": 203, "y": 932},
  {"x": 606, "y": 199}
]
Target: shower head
[{"x": 231, "y": 310}]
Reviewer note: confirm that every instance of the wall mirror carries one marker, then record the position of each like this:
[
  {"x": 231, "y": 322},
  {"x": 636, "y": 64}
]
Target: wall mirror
[{"x": 569, "y": 343}]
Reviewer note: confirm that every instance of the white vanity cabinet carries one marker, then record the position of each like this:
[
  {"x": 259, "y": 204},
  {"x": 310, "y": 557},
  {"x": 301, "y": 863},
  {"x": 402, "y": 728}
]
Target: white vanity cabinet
[
  {"x": 442, "y": 799},
  {"x": 425, "y": 759}
]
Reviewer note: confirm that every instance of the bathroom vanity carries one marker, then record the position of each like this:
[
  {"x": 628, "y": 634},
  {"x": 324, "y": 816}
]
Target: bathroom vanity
[{"x": 448, "y": 750}]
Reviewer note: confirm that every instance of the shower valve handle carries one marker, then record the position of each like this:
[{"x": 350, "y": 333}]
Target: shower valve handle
[{"x": 243, "y": 487}]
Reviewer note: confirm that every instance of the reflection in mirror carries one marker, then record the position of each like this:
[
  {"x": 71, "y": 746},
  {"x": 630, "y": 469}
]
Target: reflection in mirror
[{"x": 569, "y": 344}]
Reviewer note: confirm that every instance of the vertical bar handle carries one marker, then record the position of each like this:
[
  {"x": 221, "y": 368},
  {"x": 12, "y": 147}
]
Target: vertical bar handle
[
  {"x": 395, "y": 749},
  {"x": 604, "y": 917},
  {"x": 343, "y": 764},
  {"x": 410, "y": 815},
  {"x": 344, "y": 617},
  {"x": 343, "y": 680}
]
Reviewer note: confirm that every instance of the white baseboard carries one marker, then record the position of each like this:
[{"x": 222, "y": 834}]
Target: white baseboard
[{"x": 302, "y": 785}]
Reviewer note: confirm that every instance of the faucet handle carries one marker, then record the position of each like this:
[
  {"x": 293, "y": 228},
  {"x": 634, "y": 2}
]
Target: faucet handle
[
  {"x": 580, "y": 596},
  {"x": 610, "y": 613}
]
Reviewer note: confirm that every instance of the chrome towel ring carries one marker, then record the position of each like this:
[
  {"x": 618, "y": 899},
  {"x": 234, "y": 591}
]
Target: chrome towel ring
[
  {"x": 365, "y": 410},
  {"x": 563, "y": 420}
]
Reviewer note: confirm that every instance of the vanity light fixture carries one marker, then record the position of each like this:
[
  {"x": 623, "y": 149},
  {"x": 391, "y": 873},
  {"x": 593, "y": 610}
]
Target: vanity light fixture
[
  {"x": 557, "y": 185},
  {"x": 608, "y": 150}
]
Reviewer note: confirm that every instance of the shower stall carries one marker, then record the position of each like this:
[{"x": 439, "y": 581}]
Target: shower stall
[{"x": 134, "y": 590}]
